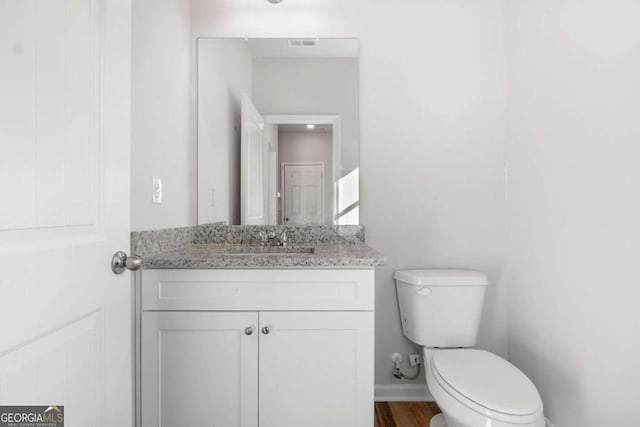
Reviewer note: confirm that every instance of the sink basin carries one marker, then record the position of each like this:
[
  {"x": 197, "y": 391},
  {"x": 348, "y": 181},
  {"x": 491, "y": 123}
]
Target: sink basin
[{"x": 269, "y": 250}]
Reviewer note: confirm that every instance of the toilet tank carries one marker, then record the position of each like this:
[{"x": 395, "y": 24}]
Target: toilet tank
[{"x": 441, "y": 308}]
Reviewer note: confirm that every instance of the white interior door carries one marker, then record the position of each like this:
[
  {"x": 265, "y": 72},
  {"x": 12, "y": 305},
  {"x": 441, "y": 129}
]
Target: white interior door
[
  {"x": 65, "y": 318},
  {"x": 254, "y": 166},
  {"x": 303, "y": 193}
]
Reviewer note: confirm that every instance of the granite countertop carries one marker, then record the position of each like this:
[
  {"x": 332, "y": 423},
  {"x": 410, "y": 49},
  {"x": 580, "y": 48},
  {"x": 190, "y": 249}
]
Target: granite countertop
[{"x": 223, "y": 255}]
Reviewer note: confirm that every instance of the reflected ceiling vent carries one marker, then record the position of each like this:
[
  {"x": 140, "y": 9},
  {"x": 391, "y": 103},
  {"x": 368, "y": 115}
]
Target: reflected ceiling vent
[{"x": 303, "y": 43}]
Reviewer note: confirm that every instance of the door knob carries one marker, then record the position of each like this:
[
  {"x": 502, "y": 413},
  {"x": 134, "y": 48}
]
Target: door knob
[
  {"x": 121, "y": 262},
  {"x": 266, "y": 330},
  {"x": 248, "y": 331}
]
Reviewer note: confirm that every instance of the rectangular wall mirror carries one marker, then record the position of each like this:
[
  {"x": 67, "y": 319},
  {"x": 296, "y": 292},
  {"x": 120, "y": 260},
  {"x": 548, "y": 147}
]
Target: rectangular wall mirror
[{"x": 278, "y": 131}]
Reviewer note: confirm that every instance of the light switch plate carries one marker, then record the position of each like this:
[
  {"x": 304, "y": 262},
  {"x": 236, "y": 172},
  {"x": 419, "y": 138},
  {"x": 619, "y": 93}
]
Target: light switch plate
[{"x": 157, "y": 190}]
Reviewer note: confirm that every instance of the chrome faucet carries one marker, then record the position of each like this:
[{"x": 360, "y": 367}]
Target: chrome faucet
[
  {"x": 263, "y": 236},
  {"x": 269, "y": 238}
]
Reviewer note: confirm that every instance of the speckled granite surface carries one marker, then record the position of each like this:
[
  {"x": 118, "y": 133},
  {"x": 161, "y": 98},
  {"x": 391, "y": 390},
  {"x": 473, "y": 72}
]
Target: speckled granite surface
[
  {"x": 298, "y": 234},
  {"x": 222, "y": 246},
  {"x": 216, "y": 255},
  {"x": 146, "y": 243}
]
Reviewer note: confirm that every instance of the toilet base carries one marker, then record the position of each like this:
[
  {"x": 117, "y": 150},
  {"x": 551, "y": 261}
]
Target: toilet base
[{"x": 438, "y": 421}]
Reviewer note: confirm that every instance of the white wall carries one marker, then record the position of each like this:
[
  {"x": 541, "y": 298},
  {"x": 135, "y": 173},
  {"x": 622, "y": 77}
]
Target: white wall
[
  {"x": 574, "y": 206},
  {"x": 310, "y": 147},
  {"x": 432, "y": 110},
  {"x": 313, "y": 86},
  {"x": 160, "y": 124},
  {"x": 432, "y": 114},
  {"x": 220, "y": 88}
]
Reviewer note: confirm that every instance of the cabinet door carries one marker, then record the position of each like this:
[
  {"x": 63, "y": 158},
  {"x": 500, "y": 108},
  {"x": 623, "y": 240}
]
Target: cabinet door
[
  {"x": 316, "y": 369},
  {"x": 199, "y": 369}
]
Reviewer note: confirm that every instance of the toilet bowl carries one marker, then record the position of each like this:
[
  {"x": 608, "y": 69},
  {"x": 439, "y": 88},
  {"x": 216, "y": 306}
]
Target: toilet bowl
[{"x": 440, "y": 310}]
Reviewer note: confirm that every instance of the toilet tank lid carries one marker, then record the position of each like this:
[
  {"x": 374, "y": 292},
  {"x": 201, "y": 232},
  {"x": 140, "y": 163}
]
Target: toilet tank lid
[{"x": 441, "y": 277}]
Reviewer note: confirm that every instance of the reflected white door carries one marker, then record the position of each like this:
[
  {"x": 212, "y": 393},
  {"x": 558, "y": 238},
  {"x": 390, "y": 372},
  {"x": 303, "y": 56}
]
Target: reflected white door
[
  {"x": 272, "y": 194},
  {"x": 303, "y": 193},
  {"x": 65, "y": 318},
  {"x": 254, "y": 166},
  {"x": 271, "y": 175}
]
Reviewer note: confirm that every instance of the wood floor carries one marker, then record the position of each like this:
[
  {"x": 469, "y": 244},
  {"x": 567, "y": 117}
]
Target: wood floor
[{"x": 405, "y": 414}]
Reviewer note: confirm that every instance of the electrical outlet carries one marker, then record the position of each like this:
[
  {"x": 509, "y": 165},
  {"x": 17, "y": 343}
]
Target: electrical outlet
[{"x": 414, "y": 359}]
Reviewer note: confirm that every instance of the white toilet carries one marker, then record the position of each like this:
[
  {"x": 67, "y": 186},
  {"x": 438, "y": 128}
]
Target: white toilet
[{"x": 440, "y": 310}]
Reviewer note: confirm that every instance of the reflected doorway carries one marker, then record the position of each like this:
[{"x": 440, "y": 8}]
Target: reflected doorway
[{"x": 303, "y": 153}]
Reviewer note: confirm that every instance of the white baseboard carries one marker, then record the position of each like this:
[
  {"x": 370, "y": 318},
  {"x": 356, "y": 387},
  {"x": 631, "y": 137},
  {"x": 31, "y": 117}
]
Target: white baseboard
[{"x": 402, "y": 393}]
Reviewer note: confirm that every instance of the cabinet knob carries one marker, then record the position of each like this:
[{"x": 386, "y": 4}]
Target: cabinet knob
[
  {"x": 266, "y": 330},
  {"x": 249, "y": 330}
]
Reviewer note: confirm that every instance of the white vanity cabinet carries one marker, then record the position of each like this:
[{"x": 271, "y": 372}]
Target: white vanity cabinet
[
  {"x": 199, "y": 369},
  {"x": 247, "y": 348}
]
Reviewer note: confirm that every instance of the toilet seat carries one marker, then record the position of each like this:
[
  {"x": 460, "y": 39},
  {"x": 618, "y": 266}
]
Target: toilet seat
[{"x": 486, "y": 384}]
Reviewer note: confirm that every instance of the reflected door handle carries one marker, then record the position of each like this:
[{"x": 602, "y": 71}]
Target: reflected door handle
[
  {"x": 121, "y": 262},
  {"x": 286, "y": 219}
]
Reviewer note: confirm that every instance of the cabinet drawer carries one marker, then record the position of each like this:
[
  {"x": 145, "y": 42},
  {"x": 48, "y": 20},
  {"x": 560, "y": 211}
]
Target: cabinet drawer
[{"x": 230, "y": 290}]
